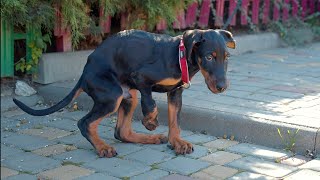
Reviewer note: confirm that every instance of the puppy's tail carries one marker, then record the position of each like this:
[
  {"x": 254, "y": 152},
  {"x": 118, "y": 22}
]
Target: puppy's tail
[{"x": 64, "y": 102}]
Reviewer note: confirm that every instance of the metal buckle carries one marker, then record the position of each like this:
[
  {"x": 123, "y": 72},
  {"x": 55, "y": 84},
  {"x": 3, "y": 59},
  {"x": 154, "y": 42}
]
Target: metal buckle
[{"x": 186, "y": 85}]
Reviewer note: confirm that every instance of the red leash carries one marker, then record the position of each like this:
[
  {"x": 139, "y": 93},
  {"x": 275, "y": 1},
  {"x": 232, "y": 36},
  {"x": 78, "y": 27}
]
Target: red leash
[{"x": 184, "y": 66}]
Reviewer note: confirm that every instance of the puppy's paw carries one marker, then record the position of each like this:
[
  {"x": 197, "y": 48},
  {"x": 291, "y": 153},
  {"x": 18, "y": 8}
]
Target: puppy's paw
[
  {"x": 151, "y": 124},
  {"x": 151, "y": 121},
  {"x": 107, "y": 151},
  {"x": 160, "y": 139},
  {"x": 180, "y": 146}
]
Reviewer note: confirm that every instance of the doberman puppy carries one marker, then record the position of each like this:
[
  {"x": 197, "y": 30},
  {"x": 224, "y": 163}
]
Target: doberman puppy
[{"x": 134, "y": 60}]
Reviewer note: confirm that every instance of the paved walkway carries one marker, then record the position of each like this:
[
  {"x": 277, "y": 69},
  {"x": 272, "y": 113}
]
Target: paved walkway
[
  {"x": 278, "y": 88},
  {"x": 271, "y": 89},
  {"x": 52, "y": 147}
]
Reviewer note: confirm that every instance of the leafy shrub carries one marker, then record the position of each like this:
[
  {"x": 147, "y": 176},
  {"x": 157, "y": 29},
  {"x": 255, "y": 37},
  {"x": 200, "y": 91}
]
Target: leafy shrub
[{"x": 38, "y": 16}]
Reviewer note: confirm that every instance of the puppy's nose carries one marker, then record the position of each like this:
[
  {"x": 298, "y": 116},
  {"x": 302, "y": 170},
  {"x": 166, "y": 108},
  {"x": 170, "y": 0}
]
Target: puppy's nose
[{"x": 220, "y": 88}]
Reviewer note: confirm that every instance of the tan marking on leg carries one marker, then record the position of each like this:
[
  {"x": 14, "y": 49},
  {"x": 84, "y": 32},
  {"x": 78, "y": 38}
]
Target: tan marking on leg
[
  {"x": 94, "y": 136},
  {"x": 102, "y": 148},
  {"x": 180, "y": 146},
  {"x": 174, "y": 129},
  {"x": 78, "y": 92},
  {"x": 124, "y": 124}
]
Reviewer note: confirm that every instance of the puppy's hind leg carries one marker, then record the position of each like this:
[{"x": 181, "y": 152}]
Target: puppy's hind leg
[{"x": 88, "y": 126}]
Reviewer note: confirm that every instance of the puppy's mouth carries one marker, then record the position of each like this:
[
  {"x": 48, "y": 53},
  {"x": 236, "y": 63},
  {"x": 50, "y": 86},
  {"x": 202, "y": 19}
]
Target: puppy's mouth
[{"x": 211, "y": 85}]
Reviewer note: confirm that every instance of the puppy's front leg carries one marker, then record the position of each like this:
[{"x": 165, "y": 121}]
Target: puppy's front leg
[
  {"x": 149, "y": 110},
  {"x": 174, "y": 107}
]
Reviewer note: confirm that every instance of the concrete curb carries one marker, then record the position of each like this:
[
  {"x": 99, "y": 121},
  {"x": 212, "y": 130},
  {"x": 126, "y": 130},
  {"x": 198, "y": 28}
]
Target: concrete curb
[
  {"x": 214, "y": 122},
  {"x": 55, "y": 67}
]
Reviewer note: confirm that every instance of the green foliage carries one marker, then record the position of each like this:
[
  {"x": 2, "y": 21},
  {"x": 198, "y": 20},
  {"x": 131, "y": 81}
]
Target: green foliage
[
  {"x": 37, "y": 45},
  {"x": 314, "y": 22},
  {"x": 145, "y": 13},
  {"x": 294, "y": 31},
  {"x": 75, "y": 17},
  {"x": 290, "y": 140},
  {"x": 38, "y": 16}
]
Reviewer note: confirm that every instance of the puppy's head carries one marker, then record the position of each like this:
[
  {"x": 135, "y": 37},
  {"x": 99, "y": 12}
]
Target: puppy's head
[{"x": 210, "y": 52}]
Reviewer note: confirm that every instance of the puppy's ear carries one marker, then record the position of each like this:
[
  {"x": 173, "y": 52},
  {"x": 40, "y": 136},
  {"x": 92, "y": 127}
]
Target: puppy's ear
[
  {"x": 190, "y": 39},
  {"x": 230, "y": 42}
]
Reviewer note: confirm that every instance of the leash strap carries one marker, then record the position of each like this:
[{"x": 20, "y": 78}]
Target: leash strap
[{"x": 184, "y": 66}]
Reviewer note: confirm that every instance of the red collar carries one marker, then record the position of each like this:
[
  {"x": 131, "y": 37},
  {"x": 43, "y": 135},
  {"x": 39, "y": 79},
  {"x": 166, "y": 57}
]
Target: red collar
[{"x": 184, "y": 66}]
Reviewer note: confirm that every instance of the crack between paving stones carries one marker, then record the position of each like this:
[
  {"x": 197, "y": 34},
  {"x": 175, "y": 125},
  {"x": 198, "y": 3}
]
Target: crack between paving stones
[{"x": 315, "y": 141}]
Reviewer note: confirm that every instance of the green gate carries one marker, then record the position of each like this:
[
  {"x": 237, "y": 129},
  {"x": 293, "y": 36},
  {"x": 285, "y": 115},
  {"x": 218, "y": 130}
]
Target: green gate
[{"x": 8, "y": 36}]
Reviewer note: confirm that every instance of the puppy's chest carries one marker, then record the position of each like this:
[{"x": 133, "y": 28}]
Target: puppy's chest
[{"x": 168, "y": 81}]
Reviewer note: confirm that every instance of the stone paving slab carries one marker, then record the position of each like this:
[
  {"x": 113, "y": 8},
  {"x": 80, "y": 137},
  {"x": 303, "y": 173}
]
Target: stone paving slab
[
  {"x": 151, "y": 175},
  {"x": 259, "y": 151},
  {"x": 183, "y": 165},
  {"x": 27, "y": 142},
  {"x": 220, "y": 143},
  {"x": 6, "y": 172},
  {"x": 199, "y": 138},
  {"x": 296, "y": 160},
  {"x": 126, "y": 148},
  {"x": 304, "y": 174},
  {"x": 249, "y": 175},
  {"x": 149, "y": 156},
  {"x": 64, "y": 124},
  {"x": 48, "y": 133},
  {"x": 65, "y": 172},
  {"x": 98, "y": 176},
  {"x": 199, "y": 151},
  {"x": 177, "y": 177},
  {"x": 77, "y": 156},
  {"x": 8, "y": 151},
  {"x": 215, "y": 172},
  {"x": 116, "y": 167},
  {"x": 221, "y": 157},
  {"x": 54, "y": 150},
  {"x": 30, "y": 162},
  {"x": 314, "y": 165},
  {"x": 158, "y": 147},
  {"x": 22, "y": 177},
  {"x": 15, "y": 112},
  {"x": 260, "y": 166},
  {"x": 76, "y": 115}
]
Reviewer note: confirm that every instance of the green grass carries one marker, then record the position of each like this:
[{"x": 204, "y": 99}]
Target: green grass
[
  {"x": 25, "y": 172},
  {"x": 65, "y": 163},
  {"x": 154, "y": 166},
  {"x": 38, "y": 126}
]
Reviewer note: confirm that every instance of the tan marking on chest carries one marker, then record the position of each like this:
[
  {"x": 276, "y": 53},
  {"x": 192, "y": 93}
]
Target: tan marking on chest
[{"x": 169, "y": 82}]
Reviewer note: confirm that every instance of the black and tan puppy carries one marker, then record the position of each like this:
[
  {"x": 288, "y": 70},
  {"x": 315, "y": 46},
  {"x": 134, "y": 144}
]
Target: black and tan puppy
[{"x": 134, "y": 60}]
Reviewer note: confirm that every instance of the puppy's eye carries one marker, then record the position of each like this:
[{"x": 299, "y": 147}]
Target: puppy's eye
[{"x": 209, "y": 57}]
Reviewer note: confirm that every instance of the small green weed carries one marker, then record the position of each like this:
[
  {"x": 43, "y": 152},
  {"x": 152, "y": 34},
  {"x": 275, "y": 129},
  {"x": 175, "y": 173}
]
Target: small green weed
[
  {"x": 154, "y": 166},
  {"x": 65, "y": 163},
  {"x": 25, "y": 172},
  {"x": 290, "y": 141},
  {"x": 38, "y": 126}
]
